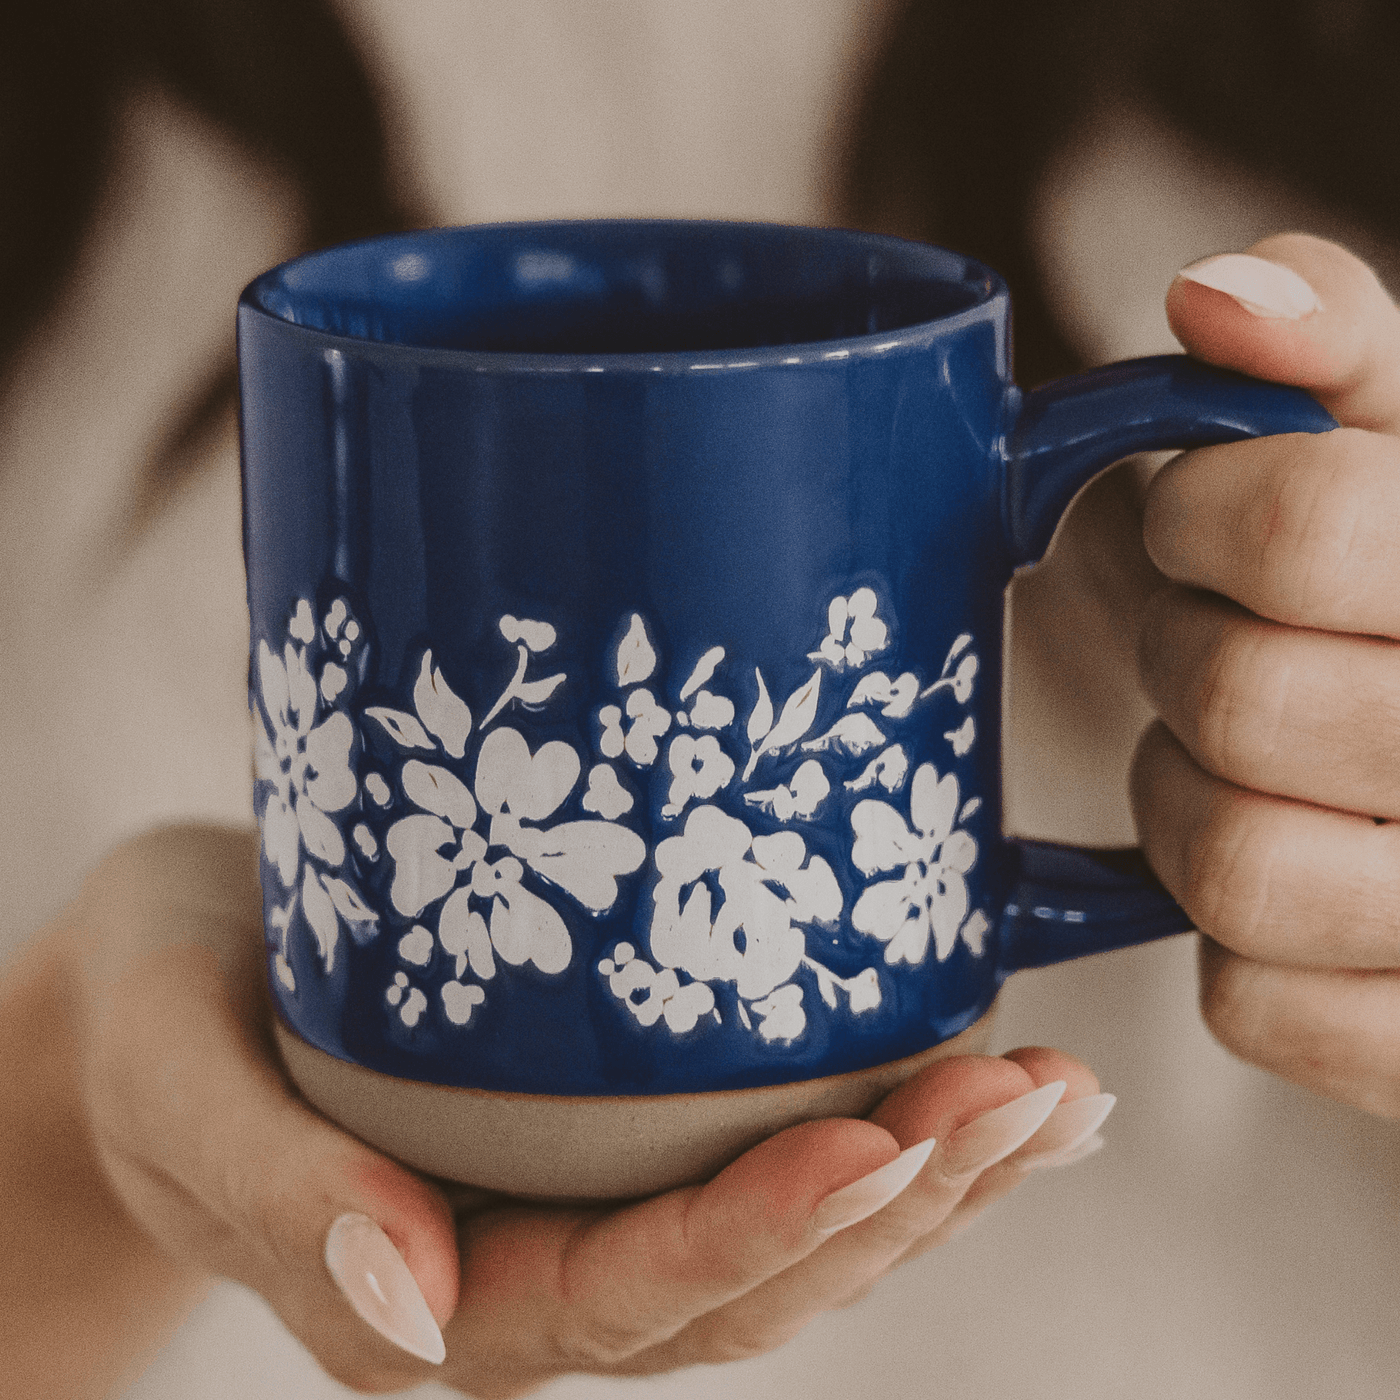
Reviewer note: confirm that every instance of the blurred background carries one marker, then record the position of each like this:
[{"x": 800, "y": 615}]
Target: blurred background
[{"x": 1237, "y": 1238}]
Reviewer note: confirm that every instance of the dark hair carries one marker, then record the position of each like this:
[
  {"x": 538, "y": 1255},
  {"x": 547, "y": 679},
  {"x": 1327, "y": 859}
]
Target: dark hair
[
  {"x": 279, "y": 76},
  {"x": 968, "y": 101},
  {"x": 965, "y": 105}
]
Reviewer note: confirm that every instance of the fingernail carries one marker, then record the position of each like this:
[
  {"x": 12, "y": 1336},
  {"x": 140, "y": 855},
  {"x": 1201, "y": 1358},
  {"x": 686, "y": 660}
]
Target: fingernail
[
  {"x": 1264, "y": 288},
  {"x": 1067, "y": 1158},
  {"x": 376, "y": 1281},
  {"x": 1066, "y": 1128},
  {"x": 999, "y": 1132},
  {"x": 864, "y": 1197}
]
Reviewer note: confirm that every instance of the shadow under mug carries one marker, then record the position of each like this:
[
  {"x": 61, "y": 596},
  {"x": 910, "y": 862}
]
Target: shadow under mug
[{"x": 627, "y": 605}]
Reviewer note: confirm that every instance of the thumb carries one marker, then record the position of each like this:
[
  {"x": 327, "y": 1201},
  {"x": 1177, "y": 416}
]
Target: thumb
[
  {"x": 219, "y": 1160},
  {"x": 1297, "y": 310}
]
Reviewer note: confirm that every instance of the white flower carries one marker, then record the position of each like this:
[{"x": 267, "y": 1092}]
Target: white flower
[
  {"x": 854, "y": 633},
  {"x": 437, "y": 849},
  {"x": 712, "y": 711},
  {"x": 412, "y": 1006},
  {"x": 638, "y": 741},
  {"x": 962, "y": 737},
  {"x": 584, "y": 857},
  {"x": 930, "y": 895},
  {"x": 782, "y": 1016},
  {"x": 650, "y": 993},
  {"x": 864, "y": 990},
  {"x": 458, "y": 999},
  {"x": 534, "y": 636},
  {"x": 606, "y": 796},
  {"x": 306, "y": 768},
  {"x": 853, "y": 734},
  {"x": 895, "y": 698},
  {"x": 800, "y": 798},
  {"x": 889, "y": 769},
  {"x": 699, "y": 768},
  {"x": 750, "y": 939},
  {"x": 307, "y": 765}
]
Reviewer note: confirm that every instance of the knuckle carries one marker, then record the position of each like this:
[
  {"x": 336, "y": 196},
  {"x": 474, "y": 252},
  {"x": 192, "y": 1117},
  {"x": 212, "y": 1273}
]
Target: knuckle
[
  {"x": 1229, "y": 875},
  {"x": 1228, "y": 1007},
  {"x": 1311, "y": 525},
  {"x": 599, "y": 1344},
  {"x": 1240, "y": 701}
]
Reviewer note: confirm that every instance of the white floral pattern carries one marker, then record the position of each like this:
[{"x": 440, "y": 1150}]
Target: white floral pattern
[
  {"x": 488, "y": 846},
  {"x": 930, "y": 896},
  {"x": 304, "y": 767}
]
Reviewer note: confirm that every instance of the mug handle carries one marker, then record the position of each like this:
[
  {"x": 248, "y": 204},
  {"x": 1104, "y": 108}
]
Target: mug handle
[{"x": 1066, "y": 902}]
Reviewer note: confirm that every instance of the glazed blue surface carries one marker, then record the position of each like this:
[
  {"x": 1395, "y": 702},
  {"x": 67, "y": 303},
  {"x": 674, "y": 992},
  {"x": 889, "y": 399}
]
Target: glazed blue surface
[{"x": 536, "y": 473}]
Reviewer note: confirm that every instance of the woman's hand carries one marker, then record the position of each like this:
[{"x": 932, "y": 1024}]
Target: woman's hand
[
  {"x": 1267, "y": 796},
  {"x": 213, "y": 1153}
]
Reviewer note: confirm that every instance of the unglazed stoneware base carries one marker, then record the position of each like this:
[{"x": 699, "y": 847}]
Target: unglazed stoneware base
[{"x": 555, "y": 1148}]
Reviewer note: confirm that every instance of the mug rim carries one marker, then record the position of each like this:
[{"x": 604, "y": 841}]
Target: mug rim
[{"x": 269, "y": 298}]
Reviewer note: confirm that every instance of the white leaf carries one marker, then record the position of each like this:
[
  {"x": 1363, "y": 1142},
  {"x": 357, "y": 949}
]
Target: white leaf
[
  {"x": 443, "y": 712},
  {"x": 282, "y": 837},
  {"x": 704, "y": 669},
  {"x": 537, "y": 692},
  {"x": 761, "y": 721},
  {"x": 797, "y": 716},
  {"x": 320, "y": 913},
  {"x": 974, "y": 930},
  {"x": 959, "y": 646},
  {"x": 402, "y": 728},
  {"x": 852, "y": 733},
  {"x": 348, "y": 902},
  {"x": 837, "y": 614},
  {"x": 437, "y": 791},
  {"x": 635, "y": 658}
]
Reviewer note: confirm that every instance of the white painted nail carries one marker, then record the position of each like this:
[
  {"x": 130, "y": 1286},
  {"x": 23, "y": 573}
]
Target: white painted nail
[
  {"x": 1067, "y": 1158},
  {"x": 1069, "y": 1125},
  {"x": 372, "y": 1275},
  {"x": 1000, "y": 1131},
  {"x": 853, "y": 1203},
  {"x": 1264, "y": 288}
]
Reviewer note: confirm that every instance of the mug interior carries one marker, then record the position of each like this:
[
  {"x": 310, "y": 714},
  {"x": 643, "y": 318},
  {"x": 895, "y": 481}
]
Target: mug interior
[{"x": 621, "y": 287}]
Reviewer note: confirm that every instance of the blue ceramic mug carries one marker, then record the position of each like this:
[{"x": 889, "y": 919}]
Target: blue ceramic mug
[{"x": 626, "y": 609}]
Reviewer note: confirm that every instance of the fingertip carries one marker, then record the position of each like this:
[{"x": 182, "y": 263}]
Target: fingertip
[
  {"x": 1046, "y": 1065},
  {"x": 787, "y": 1175},
  {"x": 1341, "y": 346},
  {"x": 940, "y": 1099},
  {"x": 416, "y": 1217}
]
